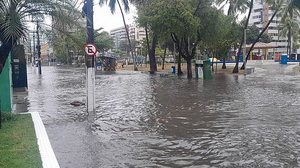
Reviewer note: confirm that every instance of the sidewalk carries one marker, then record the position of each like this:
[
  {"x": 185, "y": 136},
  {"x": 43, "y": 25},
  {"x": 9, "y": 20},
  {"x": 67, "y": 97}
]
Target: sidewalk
[
  {"x": 20, "y": 101},
  {"x": 20, "y": 105}
]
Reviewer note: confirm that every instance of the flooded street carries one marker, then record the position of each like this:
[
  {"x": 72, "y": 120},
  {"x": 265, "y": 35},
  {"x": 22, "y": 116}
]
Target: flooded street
[{"x": 154, "y": 121}]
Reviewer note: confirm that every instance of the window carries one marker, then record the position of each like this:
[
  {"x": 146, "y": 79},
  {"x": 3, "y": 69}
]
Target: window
[
  {"x": 256, "y": 23},
  {"x": 258, "y": 10}
]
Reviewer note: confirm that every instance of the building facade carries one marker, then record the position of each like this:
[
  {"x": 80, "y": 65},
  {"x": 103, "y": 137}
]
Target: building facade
[
  {"x": 260, "y": 15},
  {"x": 136, "y": 34},
  {"x": 118, "y": 35}
]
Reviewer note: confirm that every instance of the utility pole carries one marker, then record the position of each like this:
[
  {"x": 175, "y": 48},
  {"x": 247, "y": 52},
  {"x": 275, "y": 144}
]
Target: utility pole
[
  {"x": 38, "y": 47},
  {"x": 90, "y": 60}
]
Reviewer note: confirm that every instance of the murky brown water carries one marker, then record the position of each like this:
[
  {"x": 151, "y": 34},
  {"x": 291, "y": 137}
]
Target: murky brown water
[{"x": 153, "y": 121}]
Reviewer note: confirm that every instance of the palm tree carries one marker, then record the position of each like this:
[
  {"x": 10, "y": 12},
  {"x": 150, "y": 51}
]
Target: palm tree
[
  {"x": 289, "y": 23},
  {"x": 279, "y": 6},
  {"x": 112, "y": 4},
  {"x": 13, "y": 17},
  {"x": 236, "y": 6},
  {"x": 289, "y": 28}
]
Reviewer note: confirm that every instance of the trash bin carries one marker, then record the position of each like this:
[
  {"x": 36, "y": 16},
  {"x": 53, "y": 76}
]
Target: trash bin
[
  {"x": 173, "y": 69},
  {"x": 207, "y": 70},
  {"x": 283, "y": 59},
  {"x": 198, "y": 69}
]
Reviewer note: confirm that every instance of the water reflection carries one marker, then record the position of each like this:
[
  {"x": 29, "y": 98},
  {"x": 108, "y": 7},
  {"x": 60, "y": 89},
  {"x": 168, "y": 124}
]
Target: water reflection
[{"x": 153, "y": 121}]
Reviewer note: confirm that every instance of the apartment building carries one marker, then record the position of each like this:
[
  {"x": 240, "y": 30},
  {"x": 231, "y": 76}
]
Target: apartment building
[
  {"x": 135, "y": 33},
  {"x": 260, "y": 16}
]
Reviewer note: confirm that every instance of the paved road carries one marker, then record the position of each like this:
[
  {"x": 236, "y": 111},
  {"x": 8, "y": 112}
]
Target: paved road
[{"x": 153, "y": 121}]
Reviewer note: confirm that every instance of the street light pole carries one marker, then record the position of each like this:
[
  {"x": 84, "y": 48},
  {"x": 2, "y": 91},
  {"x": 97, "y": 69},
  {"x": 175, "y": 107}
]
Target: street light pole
[
  {"x": 90, "y": 60},
  {"x": 38, "y": 46}
]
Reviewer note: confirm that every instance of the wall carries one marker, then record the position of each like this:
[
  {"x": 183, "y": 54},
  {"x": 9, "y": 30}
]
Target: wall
[{"x": 6, "y": 87}]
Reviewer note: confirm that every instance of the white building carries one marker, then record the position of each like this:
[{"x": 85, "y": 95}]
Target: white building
[
  {"x": 135, "y": 33},
  {"x": 118, "y": 35},
  {"x": 260, "y": 16}
]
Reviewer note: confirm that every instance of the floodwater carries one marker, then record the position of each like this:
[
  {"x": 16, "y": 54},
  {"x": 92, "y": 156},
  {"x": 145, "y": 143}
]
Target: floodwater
[{"x": 153, "y": 121}]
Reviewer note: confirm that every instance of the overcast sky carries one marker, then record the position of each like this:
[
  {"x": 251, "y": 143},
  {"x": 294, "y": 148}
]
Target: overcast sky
[{"x": 105, "y": 19}]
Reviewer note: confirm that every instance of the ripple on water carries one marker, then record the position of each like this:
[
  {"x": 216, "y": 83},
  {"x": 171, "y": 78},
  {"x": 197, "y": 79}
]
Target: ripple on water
[{"x": 149, "y": 121}]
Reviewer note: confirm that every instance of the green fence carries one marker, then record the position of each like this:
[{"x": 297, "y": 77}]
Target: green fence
[{"x": 6, "y": 87}]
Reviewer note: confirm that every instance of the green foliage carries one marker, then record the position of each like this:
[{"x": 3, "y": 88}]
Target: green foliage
[
  {"x": 112, "y": 4},
  {"x": 74, "y": 41},
  {"x": 103, "y": 41},
  {"x": 18, "y": 143},
  {"x": 253, "y": 33},
  {"x": 234, "y": 6},
  {"x": 15, "y": 13},
  {"x": 226, "y": 35}
]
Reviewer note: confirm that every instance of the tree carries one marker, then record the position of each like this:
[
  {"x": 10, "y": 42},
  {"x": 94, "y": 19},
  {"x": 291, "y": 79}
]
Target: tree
[
  {"x": 253, "y": 32},
  {"x": 289, "y": 25},
  {"x": 103, "y": 40},
  {"x": 73, "y": 41},
  {"x": 144, "y": 20},
  {"x": 112, "y": 5},
  {"x": 13, "y": 15},
  {"x": 279, "y": 7},
  {"x": 236, "y": 6},
  {"x": 226, "y": 35}
]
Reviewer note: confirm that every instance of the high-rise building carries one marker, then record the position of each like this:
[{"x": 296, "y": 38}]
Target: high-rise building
[
  {"x": 135, "y": 33},
  {"x": 260, "y": 15},
  {"x": 118, "y": 35}
]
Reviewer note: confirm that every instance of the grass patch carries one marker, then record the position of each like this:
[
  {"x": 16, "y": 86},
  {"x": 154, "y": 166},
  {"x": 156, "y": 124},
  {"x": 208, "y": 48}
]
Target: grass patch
[{"x": 18, "y": 143}]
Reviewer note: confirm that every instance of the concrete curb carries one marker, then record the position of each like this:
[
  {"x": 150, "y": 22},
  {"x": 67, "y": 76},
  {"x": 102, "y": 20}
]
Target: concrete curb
[{"x": 48, "y": 157}]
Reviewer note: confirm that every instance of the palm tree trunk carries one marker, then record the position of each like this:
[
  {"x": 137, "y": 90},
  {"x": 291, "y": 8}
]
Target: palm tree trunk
[
  {"x": 236, "y": 68},
  {"x": 128, "y": 38},
  {"x": 224, "y": 63},
  {"x": 258, "y": 37}
]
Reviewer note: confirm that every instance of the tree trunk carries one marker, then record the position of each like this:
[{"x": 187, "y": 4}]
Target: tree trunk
[
  {"x": 289, "y": 42},
  {"x": 179, "y": 71},
  {"x": 224, "y": 63},
  {"x": 147, "y": 39},
  {"x": 189, "y": 68},
  {"x": 128, "y": 38},
  {"x": 164, "y": 57},
  {"x": 236, "y": 68},
  {"x": 212, "y": 64},
  {"x": 258, "y": 37},
  {"x": 152, "y": 59}
]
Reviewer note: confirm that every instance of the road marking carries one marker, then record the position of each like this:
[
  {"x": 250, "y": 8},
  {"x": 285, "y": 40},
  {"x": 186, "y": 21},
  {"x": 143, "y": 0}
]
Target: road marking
[{"x": 48, "y": 157}]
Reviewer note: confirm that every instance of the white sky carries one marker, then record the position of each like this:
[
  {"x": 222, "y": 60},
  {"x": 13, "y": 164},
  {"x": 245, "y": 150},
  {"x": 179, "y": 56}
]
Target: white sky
[
  {"x": 108, "y": 21},
  {"x": 105, "y": 19}
]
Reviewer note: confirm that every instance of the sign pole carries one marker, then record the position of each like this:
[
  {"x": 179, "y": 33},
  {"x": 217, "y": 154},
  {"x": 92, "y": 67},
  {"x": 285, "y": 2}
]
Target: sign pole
[{"x": 90, "y": 60}]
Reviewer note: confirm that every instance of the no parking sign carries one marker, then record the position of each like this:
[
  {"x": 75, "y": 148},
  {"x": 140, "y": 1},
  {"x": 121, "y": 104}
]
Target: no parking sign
[{"x": 90, "y": 49}]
